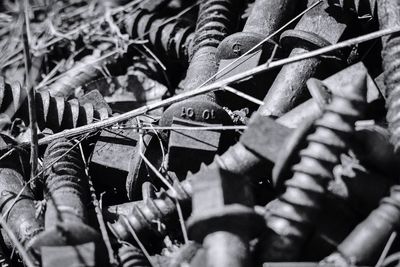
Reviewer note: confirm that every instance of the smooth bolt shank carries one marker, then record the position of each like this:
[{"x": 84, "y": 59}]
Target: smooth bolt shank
[
  {"x": 316, "y": 29},
  {"x": 365, "y": 243}
]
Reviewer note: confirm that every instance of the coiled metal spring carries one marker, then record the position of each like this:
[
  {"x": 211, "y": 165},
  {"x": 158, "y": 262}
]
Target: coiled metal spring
[
  {"x": 172, "y": 40},
  {"x": 131, "y": 256},
  {"x": 292, "y": 216},
  {"x": 52, "y": 112}
]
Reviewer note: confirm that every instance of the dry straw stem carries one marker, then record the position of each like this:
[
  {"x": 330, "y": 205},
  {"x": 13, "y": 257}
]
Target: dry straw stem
[{"x": 214, "y": 86}]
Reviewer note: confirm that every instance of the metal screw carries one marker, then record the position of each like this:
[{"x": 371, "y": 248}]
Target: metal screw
[
  {"x": 52, "y": 112},
  {"x": 21, "y": 215},
  {"x": 131, "y": 256},
  {"x": 67, "y": 193},
  {"x": 216, "y": 20},
  {"x": 223, "y": 218},
  {"x": 291, "y": 217},
  {"x": 389, "y": 14},
  {"x": 172, "y": 40},
  {"x": 368, "y": 239},
  {"x": 317, "y": 28}
]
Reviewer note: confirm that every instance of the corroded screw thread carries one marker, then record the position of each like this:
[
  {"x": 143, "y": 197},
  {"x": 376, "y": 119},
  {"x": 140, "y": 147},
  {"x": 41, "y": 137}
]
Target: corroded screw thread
[
  {"x": 216, "y": 20},
  {"x": 360, "y": 7},
  {"x": 131, "y": 256},
  {"x": 66, "y": 184},
  {"x": 292, "y": 216},
  {"x": 144, "y": 214},
  {"x": 389, "y": 17},
  {"x": 21, "y": 214},
  {"x": 172, "y": 40},
  {"x": 51, "y": 112},
  {"x": 365, "y": 243}
]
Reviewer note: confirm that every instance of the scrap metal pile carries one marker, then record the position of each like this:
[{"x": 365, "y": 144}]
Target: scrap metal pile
[{"x": 200, "y": 133}]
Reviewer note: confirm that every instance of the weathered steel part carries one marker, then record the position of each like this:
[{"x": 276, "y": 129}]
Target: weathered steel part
[
  {"x": 85, "y": 254},
  {"x": 321, "y": 92},
  {"x": 172, "y": 40},
  {"x": 131, "y": 256},
  {"x": 265, "y": 18},
  {"x": 182, "y": 147},
  {"x": 52, "y": 112},
  {"x": 389, "y": 17},
  {"x": 217, "y": 18},
  {"x": 67, "y": 194},
  {"x": 316, "y": 29},
  {"x": 302, "y": 264},
  {"x": 117, "y": 154},
  {"x": 185, "y": 254},
  {"x": 223, "y": 218},
  {"x": 362, "y": 8},
  {"x": 21, "y": 214},
  {"x": 143, "y": 215},
  {"x": 367, "y": 240},
  {"x": 254, "y": 154},
  {"x": 293, "y": 215}
]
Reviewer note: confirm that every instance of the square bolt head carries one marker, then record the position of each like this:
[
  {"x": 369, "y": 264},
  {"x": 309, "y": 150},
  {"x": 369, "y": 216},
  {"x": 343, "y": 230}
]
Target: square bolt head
[
  {"x": 187, "y": 149},
  {"x": 214, "y": 188}
]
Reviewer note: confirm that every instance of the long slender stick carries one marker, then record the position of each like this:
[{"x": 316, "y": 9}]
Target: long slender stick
[
  {"x": 216, "y": 85},
  {"x": 30, "y": 92}
]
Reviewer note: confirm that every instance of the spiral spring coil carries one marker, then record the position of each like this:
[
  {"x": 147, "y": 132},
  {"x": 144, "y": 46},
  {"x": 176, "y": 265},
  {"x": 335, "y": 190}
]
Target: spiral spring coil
[
  {"x": 65, "y": 182},
  {"x": 360, "y": 7},
  {"x": 172, "y": 39},
  {"x": 291, "y": 216},
  {"x": 131, "y": 256},
  {"x": 52, "y": 112}
]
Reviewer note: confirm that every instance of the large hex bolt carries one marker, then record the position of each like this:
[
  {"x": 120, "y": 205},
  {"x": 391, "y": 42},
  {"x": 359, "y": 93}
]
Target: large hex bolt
[
  {"x": 389, "y": 17},
  {"x": 292, "y": 216},
  {"x": 67, "y": 194},
  {"x": 216, "y": 20},
  {"x": 52, "y": 112},
  {"x": 367, "y": 240},
  {"x": 223, "y": 218},
  {"x": 171, "y": 40},
  {"x": 316, "y": 29},
  {"x": 20, "y": 212}
]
